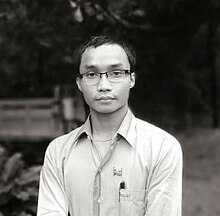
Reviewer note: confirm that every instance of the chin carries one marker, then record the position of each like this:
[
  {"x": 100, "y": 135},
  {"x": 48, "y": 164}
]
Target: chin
[{"x": 106, "y": 109}]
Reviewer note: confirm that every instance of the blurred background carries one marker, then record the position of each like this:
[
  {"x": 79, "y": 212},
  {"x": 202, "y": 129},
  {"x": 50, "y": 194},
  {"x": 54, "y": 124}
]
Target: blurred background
[{"x": 178, "y": 73}]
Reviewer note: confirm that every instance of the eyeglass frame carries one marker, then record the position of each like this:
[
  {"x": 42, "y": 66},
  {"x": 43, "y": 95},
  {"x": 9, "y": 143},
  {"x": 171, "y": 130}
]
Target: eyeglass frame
[{"x": 106, "y": 73}]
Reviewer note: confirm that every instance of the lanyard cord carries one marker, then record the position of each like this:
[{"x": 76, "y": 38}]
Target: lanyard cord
[
  {"x": 95, "y": 151},
  {"x": 97, "y": 179},
  {"x": 98, "y": 159}
]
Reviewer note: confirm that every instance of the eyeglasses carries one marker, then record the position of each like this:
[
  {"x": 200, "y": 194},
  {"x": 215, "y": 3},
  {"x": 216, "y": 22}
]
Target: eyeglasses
[{"x": 113, "y": 76}]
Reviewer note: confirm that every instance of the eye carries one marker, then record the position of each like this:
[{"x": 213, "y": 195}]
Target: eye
[
  {"x": 116, "y": 73},
  {"x": 91, "y": 75}
]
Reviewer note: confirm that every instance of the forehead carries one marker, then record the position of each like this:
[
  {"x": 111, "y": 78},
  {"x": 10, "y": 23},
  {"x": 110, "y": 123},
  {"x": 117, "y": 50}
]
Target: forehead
[{"x": 104, "y": 56}]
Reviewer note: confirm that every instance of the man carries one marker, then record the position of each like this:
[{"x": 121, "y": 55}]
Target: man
[{"x": 114, "y": 164}]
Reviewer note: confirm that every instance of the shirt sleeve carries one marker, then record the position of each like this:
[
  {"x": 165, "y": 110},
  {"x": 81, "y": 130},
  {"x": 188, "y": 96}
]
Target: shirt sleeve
[
  {"x": 164, "y": 195},
  {"x": 52, "y": 200}
]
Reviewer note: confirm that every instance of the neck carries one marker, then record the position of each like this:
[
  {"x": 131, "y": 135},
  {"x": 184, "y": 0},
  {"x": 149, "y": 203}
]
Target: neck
[{"x": 105, "y": 125}]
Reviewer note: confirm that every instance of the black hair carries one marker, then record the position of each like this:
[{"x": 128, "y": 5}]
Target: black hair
[{"x": 96, "y": 41}]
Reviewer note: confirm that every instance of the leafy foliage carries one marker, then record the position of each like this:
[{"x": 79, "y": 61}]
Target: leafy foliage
[
  {"x": 38, "y": 40},
  {"x": 18, "y": 185}
]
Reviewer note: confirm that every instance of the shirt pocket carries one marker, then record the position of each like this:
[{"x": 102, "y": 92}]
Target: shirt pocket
[{"x": 131, "y": 202}]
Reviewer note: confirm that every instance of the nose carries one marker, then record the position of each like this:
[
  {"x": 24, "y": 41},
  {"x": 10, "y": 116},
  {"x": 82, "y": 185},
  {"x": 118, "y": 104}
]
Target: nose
[{"x": 104, "y": 84}]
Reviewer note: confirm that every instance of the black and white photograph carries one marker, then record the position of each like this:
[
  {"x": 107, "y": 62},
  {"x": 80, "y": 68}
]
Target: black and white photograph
[{"x": 109, "y": 108}]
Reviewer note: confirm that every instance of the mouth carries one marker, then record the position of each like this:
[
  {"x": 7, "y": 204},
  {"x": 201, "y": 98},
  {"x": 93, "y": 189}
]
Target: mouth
[{"x": 105, "y": 98}]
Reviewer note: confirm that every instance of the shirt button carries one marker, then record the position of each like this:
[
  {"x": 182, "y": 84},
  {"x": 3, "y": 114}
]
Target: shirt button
[{"x": 100, "y": 200}]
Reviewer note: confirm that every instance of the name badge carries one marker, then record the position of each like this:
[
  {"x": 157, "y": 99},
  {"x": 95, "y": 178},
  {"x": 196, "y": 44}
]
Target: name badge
[{"x": 117, "y": 171}]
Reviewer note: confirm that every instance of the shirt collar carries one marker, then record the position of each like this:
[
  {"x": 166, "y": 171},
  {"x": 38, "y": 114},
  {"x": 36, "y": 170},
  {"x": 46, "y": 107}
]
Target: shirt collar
[
  {"x": 126, "y": 129},
  {"x": 85, "y": 129}
]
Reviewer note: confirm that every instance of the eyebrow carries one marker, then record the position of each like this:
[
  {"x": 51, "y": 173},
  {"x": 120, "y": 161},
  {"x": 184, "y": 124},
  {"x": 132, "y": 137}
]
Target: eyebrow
[
  {"x": 88, "y": 67},
  {"x": 116, "y": 65}
]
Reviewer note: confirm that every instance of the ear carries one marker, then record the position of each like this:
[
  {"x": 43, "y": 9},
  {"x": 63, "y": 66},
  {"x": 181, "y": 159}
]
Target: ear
[
  {"x": 78, "y": 83},
  {"x": 132, "y": 77}
]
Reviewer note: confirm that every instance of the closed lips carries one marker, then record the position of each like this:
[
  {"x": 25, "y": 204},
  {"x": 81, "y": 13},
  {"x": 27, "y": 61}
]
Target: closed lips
[{"x": 105, "y": 98}]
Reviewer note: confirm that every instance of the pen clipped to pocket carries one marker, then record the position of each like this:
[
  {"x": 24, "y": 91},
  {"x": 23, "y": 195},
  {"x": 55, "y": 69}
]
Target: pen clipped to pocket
[{"x": 121, "y": 186}]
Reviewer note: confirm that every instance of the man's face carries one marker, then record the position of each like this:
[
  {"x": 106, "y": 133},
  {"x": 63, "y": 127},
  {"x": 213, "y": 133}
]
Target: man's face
[{"x": 105, "y": 97}]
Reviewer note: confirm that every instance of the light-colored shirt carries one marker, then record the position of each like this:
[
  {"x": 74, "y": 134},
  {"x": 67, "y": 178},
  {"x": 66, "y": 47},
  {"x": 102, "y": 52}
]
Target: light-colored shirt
[{"x": 75, "y": 179}]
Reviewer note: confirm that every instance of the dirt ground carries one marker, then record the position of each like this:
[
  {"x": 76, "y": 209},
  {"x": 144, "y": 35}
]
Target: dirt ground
[{"x": 201, "y": 184}]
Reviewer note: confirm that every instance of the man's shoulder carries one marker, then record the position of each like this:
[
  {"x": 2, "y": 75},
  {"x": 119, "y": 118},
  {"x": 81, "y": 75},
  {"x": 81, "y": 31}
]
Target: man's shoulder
[
  {"x": 59, "y": 148},
  {"x": 155, "y": 141},
  {"x": 69, "y": 136},
  {"x": 65, "y": 141},
  {"x": 152, "y": 131}
]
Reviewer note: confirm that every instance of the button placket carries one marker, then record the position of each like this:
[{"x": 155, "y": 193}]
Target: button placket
[
  {"x": 100, "y": 200},
  {"x": 97, "y": 199}
]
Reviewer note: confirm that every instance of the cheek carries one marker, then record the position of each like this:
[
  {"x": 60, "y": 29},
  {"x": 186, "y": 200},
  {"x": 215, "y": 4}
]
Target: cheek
[
  {"x": 124, "y": 92},
  {"x": 88, "y": 94}
]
